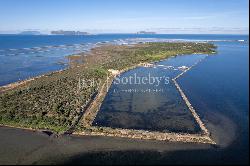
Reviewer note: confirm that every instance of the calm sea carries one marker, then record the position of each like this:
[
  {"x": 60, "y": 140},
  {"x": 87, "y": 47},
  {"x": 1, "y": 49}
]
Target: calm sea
[{"x": 24, "y": 56}]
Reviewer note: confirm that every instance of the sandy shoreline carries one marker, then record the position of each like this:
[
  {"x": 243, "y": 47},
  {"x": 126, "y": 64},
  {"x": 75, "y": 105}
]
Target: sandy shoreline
[{"x": 34, "y": 147}]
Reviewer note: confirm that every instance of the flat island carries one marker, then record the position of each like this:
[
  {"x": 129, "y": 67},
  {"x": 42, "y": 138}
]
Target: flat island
[{"x": 59, "y": 102}]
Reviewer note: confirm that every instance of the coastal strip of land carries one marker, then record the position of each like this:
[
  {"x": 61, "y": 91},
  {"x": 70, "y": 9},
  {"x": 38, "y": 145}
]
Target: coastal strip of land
[{"x": 55, "y": 102}]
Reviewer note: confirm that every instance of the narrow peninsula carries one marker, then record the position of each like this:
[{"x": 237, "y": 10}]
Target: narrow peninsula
[{"x": 57, "y": 102}]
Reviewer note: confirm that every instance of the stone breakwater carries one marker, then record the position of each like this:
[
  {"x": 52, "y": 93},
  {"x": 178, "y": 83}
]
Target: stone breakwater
[
  {"x": 147, "y": 135},
  {"x": 92, "y": 111},
  {"x": 191, "y": 108}
]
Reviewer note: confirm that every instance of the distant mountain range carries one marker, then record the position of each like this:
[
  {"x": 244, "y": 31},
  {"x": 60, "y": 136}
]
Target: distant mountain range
[
  {"x": 30, "y": 33},
  {"x": 145, "y": 32},
  {"x": 61, "y": 32}
]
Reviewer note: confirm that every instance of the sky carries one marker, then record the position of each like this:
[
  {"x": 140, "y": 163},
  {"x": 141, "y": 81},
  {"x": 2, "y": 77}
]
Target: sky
[{"x": 126, "y": 16}]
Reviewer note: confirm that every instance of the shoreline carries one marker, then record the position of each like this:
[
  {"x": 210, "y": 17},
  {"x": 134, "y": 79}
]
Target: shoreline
[
  {"x": 14, "y": 85},
  {"x": 46, "y": 149}
]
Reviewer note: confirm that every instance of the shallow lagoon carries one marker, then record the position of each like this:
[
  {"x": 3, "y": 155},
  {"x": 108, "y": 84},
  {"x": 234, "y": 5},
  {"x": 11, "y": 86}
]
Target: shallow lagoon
[{"x": 153, "y": 104}]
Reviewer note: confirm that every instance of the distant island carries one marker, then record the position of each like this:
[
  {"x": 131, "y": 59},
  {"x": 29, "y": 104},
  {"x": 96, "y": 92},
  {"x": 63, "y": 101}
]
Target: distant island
[
  {"x": 145, "y": 32},
  {"x": 62, "y": 32},
  {"x": 30, "y": 33}
]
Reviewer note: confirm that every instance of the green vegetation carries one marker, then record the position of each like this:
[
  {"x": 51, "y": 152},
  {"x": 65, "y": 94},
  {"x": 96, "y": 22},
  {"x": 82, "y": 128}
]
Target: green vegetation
[
  {"x": 54, "y": 101},
  {"x": 121, "y": 57}
]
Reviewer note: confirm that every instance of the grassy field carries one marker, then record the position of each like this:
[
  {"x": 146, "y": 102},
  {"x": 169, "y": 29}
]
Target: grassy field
[{"x": 54, "y": 101}]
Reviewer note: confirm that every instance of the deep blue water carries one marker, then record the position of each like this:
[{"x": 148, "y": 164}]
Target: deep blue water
[
  {"x": 220, "y": 87},
  {"x": 29, "y": 41}
]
